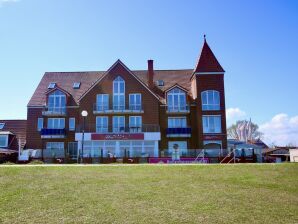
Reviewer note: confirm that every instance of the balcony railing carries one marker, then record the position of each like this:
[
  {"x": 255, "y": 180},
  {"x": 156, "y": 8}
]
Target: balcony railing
[
  {"x": 177, "y": 109},
  {"x": 179, "y": 132},
  {"x": 54, "y": 111},
  {"x": 112, "y": 129},
  {"x": 100, "y": 109},
  {"x": 52, "y": 133}
]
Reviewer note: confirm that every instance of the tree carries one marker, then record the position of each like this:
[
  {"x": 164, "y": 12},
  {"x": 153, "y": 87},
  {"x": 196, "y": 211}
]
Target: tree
[{"x": 233, "y": 130}]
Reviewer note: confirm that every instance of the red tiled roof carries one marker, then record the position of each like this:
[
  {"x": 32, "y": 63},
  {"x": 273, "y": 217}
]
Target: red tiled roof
[
  {"x": 17, "y": 127},
  {"x": 207, "y": 61},
  {"x": 65, "y": 80}
]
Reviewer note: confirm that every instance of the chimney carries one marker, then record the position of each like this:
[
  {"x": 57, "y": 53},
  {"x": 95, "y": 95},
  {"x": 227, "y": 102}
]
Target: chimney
[{"x": 150, "y": 74}]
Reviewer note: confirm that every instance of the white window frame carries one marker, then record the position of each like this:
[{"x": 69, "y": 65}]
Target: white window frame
[
  {"x": 118, "y": 94},
  {"x": 6, "y": 141},
  {"x": 207, "y": 122},
  {"x": 207, "y": 97},
  {"x": 57, "y": 95},
  {"x": 70, "y": 126},
  {"x": 181, "y": 124},
  {"x": 39, "y": 123},
  {"x": 133, "y": 124},
  {"x": 133, "y": 105},
  {"x": 176, "y": 93},
  {"x": 181, "y": 150},
  {"x": 59, "y": 126},
  {"x": 117, "y": 125},
  {"x": 101, "y": 127},
  {"x": 100, "y": 106}
]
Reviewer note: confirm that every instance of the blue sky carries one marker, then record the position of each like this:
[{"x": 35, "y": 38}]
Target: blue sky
[{"x": 255, "y": 42}]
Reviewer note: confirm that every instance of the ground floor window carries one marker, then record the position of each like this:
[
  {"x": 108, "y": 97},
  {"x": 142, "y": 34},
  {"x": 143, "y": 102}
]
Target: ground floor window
[
  {"x": 120, "y": 149},
  {"x": 178, "y": 146},
  {"x": 54, "y": 150},
  {"x": 212, "y": 148}
]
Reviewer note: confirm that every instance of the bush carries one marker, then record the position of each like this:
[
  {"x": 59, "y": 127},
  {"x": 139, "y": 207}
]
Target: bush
[
  {"x": 36, "y": 162},
  {"x": 8, "y": 163}
]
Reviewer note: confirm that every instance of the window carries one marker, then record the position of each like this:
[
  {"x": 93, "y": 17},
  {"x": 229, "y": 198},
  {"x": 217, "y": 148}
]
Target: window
[
  {"x": 118, "y": 94},
  {"x": 176, "y": 99},
  {"x": 210, "y": 100},
  {"x": 102, "y": 124},
  {"x": 181, "y": 147},
  {"x": 118, "y": 124},
  {"x": 56, "y": 123},
  {"x": 57, "y": 102},
  {"x": 160, "y": 82},
  {"x": 76, "y": 85},
  {"x": 52, "y": 85},
  {"x": 72, "y": 124},
  {"x": 212, "y": 124},
  {"x": 102, "y": 102},
  {"x": 54, "y": 150},
  {"x": 177, "y": 122},
  {"x": 39, "y": 124},
  {"x": 3, "y": 140},
  {"x": 135, "y": 123},
  {"x": 135, "y": 101},
  {"x": 2, "y": 125}
]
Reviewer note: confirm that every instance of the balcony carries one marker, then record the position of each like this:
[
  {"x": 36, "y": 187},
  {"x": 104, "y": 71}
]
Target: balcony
[
  {"x": 54, "y": 111},
  {"x": 105, "y": 109},
  {"x": 52, "y": 133},
  {"x": 179, "y": 132},
  {"x": 177, "y": 109}
]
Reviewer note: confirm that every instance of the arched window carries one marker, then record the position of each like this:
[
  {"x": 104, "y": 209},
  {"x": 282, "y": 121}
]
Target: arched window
[
  {"x": 57, "y": 102},
  {"x": 210, "y": 100},
  {"x": 118, "y": 94},
  {"x": 176, "y": 99}
]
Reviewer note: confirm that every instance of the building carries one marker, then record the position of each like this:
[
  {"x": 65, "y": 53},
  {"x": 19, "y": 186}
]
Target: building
[
  {"x": 12, "y": 139},
  {"x": 131, "y": 113}
]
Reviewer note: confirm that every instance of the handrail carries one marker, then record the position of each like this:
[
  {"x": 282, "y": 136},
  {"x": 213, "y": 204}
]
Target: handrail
[{"x": 228, "y": 155}]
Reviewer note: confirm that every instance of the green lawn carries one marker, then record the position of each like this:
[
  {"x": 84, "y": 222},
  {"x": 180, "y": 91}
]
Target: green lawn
[{"x": 150, "y": 194}]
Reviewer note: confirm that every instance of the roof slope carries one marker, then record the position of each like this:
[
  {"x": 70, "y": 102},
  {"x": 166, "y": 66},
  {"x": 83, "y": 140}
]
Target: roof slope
[
  {"x": 207, "y": 61},
  {"x": 65, "y": 80},
  {"x": 16, "y": 127}
]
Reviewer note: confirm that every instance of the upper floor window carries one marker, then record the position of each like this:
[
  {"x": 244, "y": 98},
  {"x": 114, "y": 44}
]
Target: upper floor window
[
  {"x": 176, "y": 99},
  {"x": 57, "y": 101},
  {"x": 102, "y": 124},
  {"x": 210, "y": 100},
  {"x": 72, "y": 124},
  {"x": 102, "y": 102},
  {"x": 212, "y": 124},
  {"x": 118, "y": 94},
  {"x": 39, "y": 124},
  {"x": 118, "y": 124},
  {"x": 56, "y": 123},
  {"x": 3, "y": 140},
  {"x": 177, "y": 122},
  {"x": 135, "y": 123},
  {"x": 135, "y": 101}
]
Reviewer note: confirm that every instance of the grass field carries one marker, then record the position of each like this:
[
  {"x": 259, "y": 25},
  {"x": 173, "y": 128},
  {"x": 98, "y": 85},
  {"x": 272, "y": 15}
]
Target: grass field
[{"x": 150, "y": 194}]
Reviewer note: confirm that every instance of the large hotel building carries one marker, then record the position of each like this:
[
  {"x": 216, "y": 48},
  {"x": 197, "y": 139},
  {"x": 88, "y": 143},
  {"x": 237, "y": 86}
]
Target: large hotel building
[{"x": 129, "y": 113}]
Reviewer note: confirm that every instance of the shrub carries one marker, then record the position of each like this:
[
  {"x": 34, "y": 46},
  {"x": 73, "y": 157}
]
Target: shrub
[
  {"x": 36, "y": 162},
  {"x": 8, "y": 163}
]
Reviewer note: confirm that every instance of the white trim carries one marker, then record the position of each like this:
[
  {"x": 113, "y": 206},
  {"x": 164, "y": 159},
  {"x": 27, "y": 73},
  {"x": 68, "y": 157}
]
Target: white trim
[
  {"x": 174, "y": 86},
  {"x": 108, "y": 71}
]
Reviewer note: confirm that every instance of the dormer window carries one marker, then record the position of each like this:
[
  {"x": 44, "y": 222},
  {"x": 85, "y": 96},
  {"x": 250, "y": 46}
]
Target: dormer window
[
  {"x": 76, "y": 85},
  {"x": 57, "y": 102},
  {"x": 52, "y": 85},
  {"x": 2, "y": 125},
  {"x": 118, "y": 94},
  {"x": 160, "y": 83},
  {"x": 210, "y": 100},
  {"x": 176, "y": 99}
]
